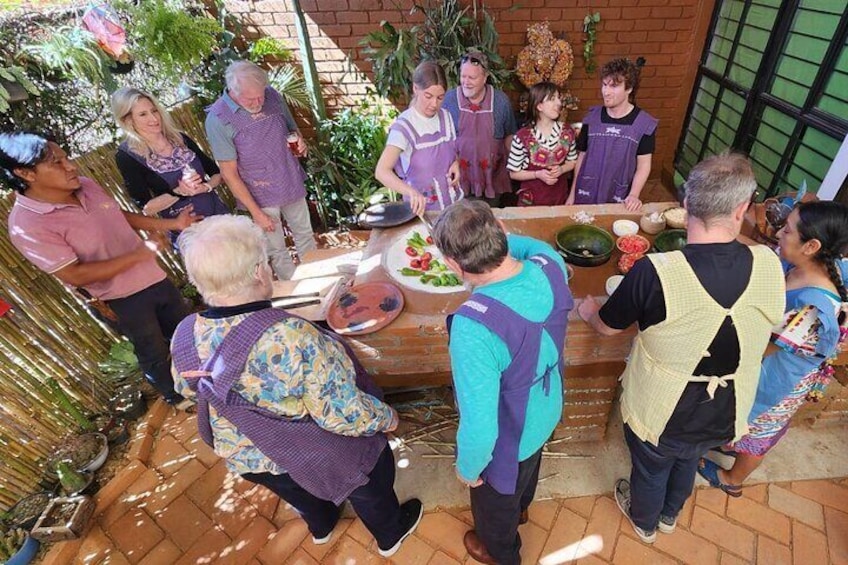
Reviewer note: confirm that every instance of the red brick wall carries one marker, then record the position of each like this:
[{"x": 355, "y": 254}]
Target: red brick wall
[{"x": 668, "y": 33}]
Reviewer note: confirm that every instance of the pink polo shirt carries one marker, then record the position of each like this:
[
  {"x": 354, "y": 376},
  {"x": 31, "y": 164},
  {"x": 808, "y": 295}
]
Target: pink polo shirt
[{"x": 53, "y": 236}]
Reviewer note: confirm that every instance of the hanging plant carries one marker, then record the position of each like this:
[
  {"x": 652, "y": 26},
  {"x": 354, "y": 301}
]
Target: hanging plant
[
  {"x": 169, "y": 34},
  {"x": 590, "y": 30},
  {"x": 71, "y": 52}
]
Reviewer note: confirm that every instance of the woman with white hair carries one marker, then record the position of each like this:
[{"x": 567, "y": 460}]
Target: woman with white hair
[
  {"x": 285, "y": 403},
  {"x": 164, "y": 170}
]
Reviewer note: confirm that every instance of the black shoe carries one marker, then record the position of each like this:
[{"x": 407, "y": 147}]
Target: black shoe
[{"x": 410, "y": 515}]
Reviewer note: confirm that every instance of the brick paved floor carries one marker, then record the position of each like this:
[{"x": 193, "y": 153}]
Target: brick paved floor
[{"x": 175, "y": 503}]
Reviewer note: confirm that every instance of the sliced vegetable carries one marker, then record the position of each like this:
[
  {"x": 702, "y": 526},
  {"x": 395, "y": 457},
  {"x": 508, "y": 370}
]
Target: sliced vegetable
[{"x": 411, "y": 251}]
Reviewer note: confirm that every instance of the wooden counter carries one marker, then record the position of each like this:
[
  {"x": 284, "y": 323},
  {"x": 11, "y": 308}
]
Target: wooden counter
[{"x": 412, "y": 351}]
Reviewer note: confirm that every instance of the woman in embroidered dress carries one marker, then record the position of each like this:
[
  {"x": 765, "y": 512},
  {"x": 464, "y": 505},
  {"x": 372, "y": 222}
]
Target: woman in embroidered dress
[
  {"x": 542, "y": 153},
  {"x": 164, "y": 170},
  {"x": 812, "y": 245},
  {"x": 419, "y": 160}
]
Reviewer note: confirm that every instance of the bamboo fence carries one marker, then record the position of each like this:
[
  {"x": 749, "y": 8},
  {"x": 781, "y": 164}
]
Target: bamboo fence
[{"x": 50, "y": 344}]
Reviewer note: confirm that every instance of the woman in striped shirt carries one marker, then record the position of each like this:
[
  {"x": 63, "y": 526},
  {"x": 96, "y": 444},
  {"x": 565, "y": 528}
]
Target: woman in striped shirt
[{"x": 542, "y": 153}]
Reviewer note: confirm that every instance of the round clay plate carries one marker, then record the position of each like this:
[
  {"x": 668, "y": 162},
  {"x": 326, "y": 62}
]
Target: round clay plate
[
  {"x": 365, "y": 308},
  {"x": 395, "y": 259},
  {"x": 386, "y": 215}
]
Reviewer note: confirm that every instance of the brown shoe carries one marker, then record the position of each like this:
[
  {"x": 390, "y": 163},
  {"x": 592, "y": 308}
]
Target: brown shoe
[
  {"x": 524, "y": 518},
  {"x": 476, "y": 549}
]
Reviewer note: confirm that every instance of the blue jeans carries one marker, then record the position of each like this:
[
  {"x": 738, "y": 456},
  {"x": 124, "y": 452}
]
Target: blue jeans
[
  {"x": 661, "y": 477},
  {"x": 148, "y": 319}
]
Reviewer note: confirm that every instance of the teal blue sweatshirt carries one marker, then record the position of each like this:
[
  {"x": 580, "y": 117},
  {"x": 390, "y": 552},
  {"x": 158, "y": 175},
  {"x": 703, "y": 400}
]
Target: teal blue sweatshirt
[{"x": 478, "y": 357}]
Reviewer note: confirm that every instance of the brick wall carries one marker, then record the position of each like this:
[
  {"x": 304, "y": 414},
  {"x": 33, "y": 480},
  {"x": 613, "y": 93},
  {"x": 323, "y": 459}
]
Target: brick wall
[{"x": 668, "y": 33}]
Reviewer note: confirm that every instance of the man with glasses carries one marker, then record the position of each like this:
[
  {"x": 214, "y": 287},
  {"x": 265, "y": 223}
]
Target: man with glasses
[{"x": 485, "y": 124}]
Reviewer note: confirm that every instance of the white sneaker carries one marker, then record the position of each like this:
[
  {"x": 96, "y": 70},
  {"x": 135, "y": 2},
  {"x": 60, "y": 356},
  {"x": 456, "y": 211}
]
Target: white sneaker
[
  {"x": 325, "y": 539},
  {"x": 622, "y": 499},
  {"x": 666, "y": 524}
]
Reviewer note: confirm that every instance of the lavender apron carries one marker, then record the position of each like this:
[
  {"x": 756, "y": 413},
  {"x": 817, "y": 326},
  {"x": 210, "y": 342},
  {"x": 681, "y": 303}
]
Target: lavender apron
[
  {"x": 327, "y": 465},
  {"x": 523, "y": 338},
  {"x": 482, "y": 158},
  {"x": 432, "y": 156},
  {"x": 273, "y": 175},
  {"x": 171, "y": 171},
  {"x": 610, "y": 161}
]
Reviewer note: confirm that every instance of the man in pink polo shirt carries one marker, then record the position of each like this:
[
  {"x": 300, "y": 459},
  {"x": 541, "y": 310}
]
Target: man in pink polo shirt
[{"x": 68, "y": 226}]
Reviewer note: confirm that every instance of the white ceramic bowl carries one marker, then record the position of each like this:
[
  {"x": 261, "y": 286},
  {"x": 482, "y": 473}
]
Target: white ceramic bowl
[
  {"x": 612, "y": 283},
  {"x": 624, "y": 227}
]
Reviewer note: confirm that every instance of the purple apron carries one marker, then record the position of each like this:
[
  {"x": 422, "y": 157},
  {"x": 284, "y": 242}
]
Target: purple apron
[
  {"x": 265, "y": 163},
  {"x": 534, "y": 192},
  {"x": 610, "y": 160},
  {"x": 523, "y": 339},
  {"x": 327, "y": 465},
  {"x": 482, "y": 158},
  {"x": 432, "y": 156},
  {"x": 171, "y": 171}
]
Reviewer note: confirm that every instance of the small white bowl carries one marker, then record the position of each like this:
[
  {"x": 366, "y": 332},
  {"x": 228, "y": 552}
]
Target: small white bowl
[
  {"x": 625, "y": 227},
  {"x": 612, "y": 283}
]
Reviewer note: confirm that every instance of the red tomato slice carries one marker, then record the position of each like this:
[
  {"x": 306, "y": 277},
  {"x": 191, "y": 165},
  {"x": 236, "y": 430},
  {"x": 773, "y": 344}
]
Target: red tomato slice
[
  {"x": 415, "y": 263},
  {"x": 411, "y": 252}
]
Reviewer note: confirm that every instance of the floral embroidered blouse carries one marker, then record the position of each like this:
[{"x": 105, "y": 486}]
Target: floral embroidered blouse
[{"x": 293, "y": 371}]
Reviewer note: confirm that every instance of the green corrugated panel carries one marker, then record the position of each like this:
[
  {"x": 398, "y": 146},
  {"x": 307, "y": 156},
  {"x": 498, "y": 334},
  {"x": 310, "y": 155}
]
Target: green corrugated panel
[
  {"x": 761, "y": 16},
  {"x": 815, "y": 24},
  {"x": 836, "y": 7},
  {"x": 797, "y": 70},
  {"x": 755, "y": 39},
  {"x": 789, "y": 91},
  {"x": 807, "y": 48},
  {"x": 778, "y": 120}
]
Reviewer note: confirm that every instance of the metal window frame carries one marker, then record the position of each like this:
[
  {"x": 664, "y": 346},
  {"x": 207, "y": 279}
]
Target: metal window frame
[{"x": 758, "y": 98}]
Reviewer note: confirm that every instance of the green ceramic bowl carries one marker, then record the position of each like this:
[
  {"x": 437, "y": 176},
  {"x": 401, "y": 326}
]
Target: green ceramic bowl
[
  {"x": 585, "y": 245},
  {"x": 670, "y": 240}
]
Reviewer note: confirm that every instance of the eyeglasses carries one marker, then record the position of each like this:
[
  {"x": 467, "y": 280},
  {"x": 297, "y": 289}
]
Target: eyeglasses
[{"x": 474, "y": 60}]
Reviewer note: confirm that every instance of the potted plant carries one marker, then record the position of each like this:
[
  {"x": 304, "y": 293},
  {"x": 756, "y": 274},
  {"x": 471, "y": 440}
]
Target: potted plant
[
  {"x": 64, "y": 518},
  {"x": 26, "y": 511},
  {"x": 73, "y": 481},
  {"x": 17, "y": 547},
  {"x": 85, "y": 452},
  {"x": 127, "y": 403},
  {"x": 71, "y": 52},
  {"x": 174, "y": 37}
]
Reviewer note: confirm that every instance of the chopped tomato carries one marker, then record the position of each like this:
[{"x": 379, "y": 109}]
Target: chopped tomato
[
  {"x": 429, "y": 240},
  {"x": 633, "y": 244},
  {"x": 411, "y": 252},
  {"x": 627, "y": 261},
  {"x": 415, "y": 263},
  {"x": 425, "y": 264},
  {"x": 427, "y": 256}
]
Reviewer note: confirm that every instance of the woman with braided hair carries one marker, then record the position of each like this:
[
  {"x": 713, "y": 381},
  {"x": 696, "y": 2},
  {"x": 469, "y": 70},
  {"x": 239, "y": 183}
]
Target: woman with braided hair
[{"x": 813, "y": 245}]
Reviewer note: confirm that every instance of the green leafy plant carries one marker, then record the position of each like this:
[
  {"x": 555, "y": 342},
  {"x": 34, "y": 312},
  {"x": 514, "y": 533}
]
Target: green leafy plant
[
  {"x": 268, "y": 48},
  {"x": 590, "y": 32},
  {"x": 178, "y": 39},
  {"x": 14, "y": 76},
  {"x": 70, "y": 51},
  {"x": 342, "y": 162},
  {"x": 448, "y": 31}
]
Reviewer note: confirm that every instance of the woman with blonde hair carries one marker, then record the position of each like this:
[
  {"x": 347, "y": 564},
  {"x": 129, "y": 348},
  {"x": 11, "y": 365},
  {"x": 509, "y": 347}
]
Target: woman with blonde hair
[
  {"x": 164, "y": 170},
  {"x": 419, "y": 160}
]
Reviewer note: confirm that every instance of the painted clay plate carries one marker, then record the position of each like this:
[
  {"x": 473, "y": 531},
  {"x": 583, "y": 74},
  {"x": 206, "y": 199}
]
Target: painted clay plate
[
  {"x": 365, "y": 308},
  {"x": 386, "y": 215},
  {"x": 395, "y": 259}
]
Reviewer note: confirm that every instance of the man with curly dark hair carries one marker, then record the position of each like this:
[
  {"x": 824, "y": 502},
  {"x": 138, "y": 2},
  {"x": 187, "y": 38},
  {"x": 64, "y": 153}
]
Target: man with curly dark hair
[{"x": 615, "y": 143}]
